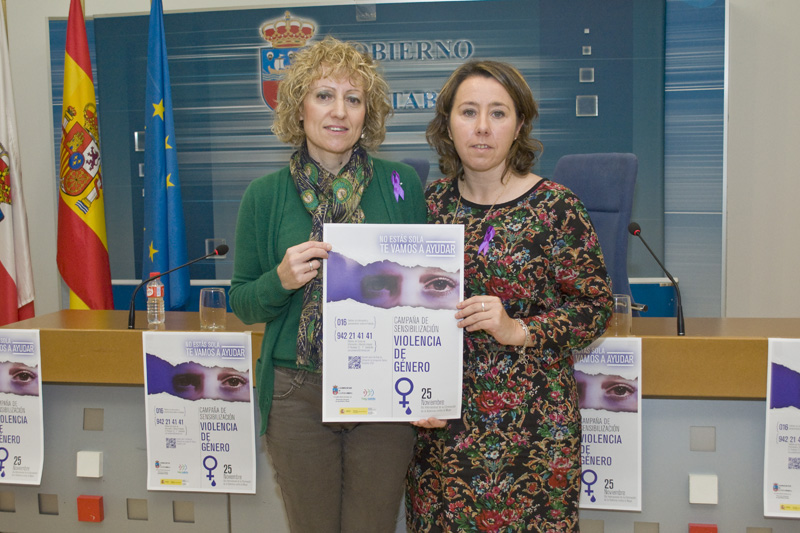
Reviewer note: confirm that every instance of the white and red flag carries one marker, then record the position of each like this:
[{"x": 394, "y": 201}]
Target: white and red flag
[{"x": 16, "y": 272}]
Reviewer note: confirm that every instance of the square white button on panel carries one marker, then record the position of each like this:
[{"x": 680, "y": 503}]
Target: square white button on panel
[
  {"x": 703, "y": 489},
  {"x": 586, "y": 105},
  {"x": 586, "y": 75},
  {"x": 90, "y": 464}
]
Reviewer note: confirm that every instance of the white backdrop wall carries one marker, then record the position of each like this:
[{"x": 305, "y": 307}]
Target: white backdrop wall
[{"x": 763, "y": 188}]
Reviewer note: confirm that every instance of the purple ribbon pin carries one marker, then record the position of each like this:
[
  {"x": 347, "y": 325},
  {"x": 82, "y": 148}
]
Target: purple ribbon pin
[
  {"x": 398, "y": 188},
  {"x": 487, "y": 238}
]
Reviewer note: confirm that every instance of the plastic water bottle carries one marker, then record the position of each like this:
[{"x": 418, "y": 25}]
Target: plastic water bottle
[{"x": 155, "y": 303}]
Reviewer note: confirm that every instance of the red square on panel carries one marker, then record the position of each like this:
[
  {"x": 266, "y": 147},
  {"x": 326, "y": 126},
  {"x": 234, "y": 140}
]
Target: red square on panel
[
  {"x": 90, "y": 508},
  {"x": 702, "y": 528}
]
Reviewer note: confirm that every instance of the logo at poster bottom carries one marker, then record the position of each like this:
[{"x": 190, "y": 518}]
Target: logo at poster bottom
[
  {"x": 3, "y": 458},
  {"x": 210, "y": 465},
  {"x": 585, "y": 480},
  {"x": 404, "y": 394}
]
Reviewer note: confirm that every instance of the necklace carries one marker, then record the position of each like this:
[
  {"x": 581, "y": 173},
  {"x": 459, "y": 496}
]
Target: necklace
[{"x": 490, "y": 231}]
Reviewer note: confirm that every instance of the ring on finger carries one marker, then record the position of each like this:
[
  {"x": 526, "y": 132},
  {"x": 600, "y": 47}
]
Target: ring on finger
[
  {"x": 310, "y": 266},
  {"x": 483, "y": 306}
]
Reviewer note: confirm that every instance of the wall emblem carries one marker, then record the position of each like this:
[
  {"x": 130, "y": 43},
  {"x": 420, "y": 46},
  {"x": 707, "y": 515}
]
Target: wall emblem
[{"x": 285, "y": 36}]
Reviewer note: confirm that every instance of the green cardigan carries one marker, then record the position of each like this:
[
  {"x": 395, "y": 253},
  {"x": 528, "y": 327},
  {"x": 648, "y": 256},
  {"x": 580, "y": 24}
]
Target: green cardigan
[{"x": 271, "y": 219}]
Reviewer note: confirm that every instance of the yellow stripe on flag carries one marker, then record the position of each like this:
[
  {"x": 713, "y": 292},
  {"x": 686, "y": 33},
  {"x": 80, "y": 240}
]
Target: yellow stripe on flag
[
  {"x": 81, "y": 89},
  {"x": 75, "y": 301},
  {"x": 82, "y": 93}
]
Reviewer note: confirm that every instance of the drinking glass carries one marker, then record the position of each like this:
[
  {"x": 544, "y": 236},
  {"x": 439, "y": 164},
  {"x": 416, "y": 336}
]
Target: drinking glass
[
  {"x": 621, "y": 318},
  {"x": 213, "y": 308}
]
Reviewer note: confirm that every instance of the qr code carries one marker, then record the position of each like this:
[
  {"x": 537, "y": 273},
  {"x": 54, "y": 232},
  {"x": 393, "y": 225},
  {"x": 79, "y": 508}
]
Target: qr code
[
  {"x": 794, "y": 463},
  {"x": 354, "y": 363},
  {"x": 171, "y": 443}
]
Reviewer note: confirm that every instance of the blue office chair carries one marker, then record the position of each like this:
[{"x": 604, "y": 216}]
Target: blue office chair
[
  {"x": 422, "y": 166},
  {"x": 605, "y": 183}
]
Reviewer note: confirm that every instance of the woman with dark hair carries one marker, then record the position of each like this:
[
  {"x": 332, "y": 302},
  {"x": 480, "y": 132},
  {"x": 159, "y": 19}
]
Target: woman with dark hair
[
  {"x": 332, "y": 105},
  {"x": 536, "y": 288}
]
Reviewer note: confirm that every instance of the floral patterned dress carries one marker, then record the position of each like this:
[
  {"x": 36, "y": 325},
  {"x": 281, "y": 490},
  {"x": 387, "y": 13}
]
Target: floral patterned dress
[{"x": 512, "y": 462}]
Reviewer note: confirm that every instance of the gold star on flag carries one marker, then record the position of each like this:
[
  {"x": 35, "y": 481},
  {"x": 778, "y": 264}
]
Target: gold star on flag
[
  {"x": 166, "y": 143},
  {"x": 169, "y": 183},
  {"x": 153, "y": 251},
  {"x": 159, "y": 109}
]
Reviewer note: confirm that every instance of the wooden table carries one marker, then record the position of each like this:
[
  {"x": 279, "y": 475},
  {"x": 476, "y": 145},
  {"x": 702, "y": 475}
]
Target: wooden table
[
  {"x": 719, "y": 358},
  {"x": 96, "y": 347}
]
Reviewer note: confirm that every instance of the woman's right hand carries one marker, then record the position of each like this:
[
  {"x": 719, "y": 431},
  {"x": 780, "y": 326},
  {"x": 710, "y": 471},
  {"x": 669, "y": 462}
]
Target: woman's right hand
[{"x": 301, "y": 263}]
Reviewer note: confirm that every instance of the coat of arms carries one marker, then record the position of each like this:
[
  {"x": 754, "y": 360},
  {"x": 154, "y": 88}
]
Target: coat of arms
[
  {"x": 5, "y": 178},
  {"x": 286, "y": 36},
  {"x": 80, "y": 156}
]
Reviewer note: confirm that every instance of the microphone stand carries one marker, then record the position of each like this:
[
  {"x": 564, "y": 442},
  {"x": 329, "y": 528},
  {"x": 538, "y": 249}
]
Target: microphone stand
[
  {"x": 634, "y": 229},
  {"x": 131, "y": 314}
]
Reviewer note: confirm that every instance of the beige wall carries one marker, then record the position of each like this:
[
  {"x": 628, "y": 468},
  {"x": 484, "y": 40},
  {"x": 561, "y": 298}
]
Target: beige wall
[{"x": 763, "y": 182}]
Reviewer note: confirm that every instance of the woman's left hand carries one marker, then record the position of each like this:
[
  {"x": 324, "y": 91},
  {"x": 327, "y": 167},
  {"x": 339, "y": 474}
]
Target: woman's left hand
[
  {"x": 430, "y": 423},
  {"x": 488, "y": 314}
]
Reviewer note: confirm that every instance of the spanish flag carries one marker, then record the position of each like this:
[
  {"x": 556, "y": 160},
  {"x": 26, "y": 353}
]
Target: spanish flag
[{"x": 82, "y": 249}]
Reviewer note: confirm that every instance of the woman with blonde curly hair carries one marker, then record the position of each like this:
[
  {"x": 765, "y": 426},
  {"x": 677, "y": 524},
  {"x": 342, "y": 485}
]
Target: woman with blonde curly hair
[{"x": 332, "y": 105}]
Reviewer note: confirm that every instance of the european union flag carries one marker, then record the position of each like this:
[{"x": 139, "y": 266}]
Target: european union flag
[{"x": 164, "y": 244}]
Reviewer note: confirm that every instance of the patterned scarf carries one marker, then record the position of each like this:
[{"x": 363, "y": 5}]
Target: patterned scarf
[{"x": 328, "y": 198}]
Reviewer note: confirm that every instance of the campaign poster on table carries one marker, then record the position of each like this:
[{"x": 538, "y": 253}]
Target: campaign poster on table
[
  {"x": 392, "y": 350},
  {"x": 609, "y": 378},
  {"x": 199, "y": 410},
  {"x": 21, "y": 424},
  {"x": 782, "y": 444}
]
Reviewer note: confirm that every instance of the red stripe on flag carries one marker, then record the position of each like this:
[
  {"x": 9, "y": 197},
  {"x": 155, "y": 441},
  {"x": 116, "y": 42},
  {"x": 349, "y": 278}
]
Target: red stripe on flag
[
  {"x": 8, "y": 301},
  {"x": 77, "y": 44},
  {"x": 83, "y": 260},
  {"x": 26, "y": 311}
]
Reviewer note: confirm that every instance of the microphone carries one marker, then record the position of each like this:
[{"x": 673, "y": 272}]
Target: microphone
[
  {"x": 635, "y": 230},
  {"x": 222, "y": 249}
]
